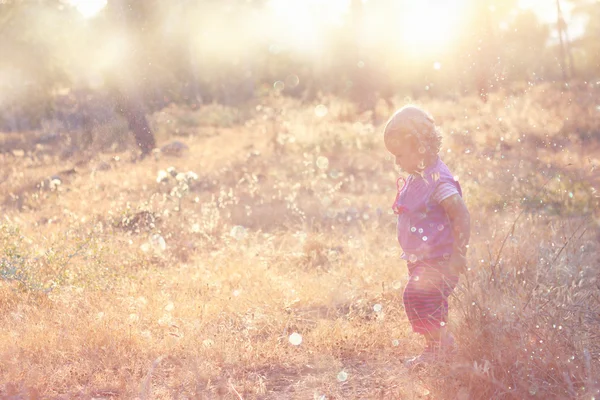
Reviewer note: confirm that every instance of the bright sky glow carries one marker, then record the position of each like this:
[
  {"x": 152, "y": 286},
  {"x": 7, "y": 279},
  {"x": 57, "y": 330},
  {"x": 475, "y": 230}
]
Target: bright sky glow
[
  {"x": 546, "y": 12},
  {"x": 422, "y": 27},
  {"x": 88, "y": 8},
  {"x": 429, "y": 25},
  {"x": 328, "y": 12},
  {"x": 300, "y": 23}
]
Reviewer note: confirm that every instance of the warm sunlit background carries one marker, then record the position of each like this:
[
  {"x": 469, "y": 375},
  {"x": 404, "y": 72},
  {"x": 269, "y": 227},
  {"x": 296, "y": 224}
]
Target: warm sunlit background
[
  {"x": 230, "y": 51},
  {"x": 195, "y": 197}
]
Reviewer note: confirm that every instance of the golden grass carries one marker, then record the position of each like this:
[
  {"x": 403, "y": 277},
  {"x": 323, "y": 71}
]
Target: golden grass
[{"x": 272, "y": 240}]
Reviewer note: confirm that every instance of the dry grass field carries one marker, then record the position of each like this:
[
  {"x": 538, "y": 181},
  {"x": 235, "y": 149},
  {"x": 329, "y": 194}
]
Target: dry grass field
[{"x": 262, "y": 263}]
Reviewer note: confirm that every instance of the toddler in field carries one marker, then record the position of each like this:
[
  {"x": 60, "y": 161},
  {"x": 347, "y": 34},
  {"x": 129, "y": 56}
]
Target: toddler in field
[{"x": 433, "y": 227}]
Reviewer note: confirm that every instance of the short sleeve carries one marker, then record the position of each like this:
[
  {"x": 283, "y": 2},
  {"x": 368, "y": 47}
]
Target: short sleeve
[{"x": 443, "y": 191}]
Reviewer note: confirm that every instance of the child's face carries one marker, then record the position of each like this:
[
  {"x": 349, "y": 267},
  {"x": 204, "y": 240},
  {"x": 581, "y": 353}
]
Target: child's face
[{"x": 406, "y": 153}]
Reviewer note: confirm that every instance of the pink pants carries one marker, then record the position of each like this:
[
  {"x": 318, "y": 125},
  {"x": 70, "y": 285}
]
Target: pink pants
[{"x": 426, "y": 294}]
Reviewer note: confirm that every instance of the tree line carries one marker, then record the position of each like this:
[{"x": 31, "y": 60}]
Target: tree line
[{"x": 144, "y": 54}]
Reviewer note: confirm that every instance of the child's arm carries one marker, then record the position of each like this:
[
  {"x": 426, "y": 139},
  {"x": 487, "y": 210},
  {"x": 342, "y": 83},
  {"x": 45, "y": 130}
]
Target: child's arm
[{"x": 460, "y": 220}]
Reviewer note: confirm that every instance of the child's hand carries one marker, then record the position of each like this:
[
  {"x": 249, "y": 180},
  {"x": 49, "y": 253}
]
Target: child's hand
[
  {"x": 460, "y": 221},
  {"x": 457, "y": 263}
]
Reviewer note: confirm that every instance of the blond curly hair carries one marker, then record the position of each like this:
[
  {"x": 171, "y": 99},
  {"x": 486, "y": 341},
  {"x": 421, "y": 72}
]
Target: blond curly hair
[{"x": 413, "y": 122}]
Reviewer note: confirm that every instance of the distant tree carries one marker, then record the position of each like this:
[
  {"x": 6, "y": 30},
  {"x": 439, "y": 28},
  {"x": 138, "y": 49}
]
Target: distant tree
[
  {"x": 361, "y": 90},
  {"x": 588, "y": 45},
  {"x": 36, "y": 55},
  {"x": 29, "y": 61},
  {"x": 132, "y": 18},
  {"x": 564, "y": 45},
  {"x": 480, "y": 52},
  {"x": 524, "y": 43}
]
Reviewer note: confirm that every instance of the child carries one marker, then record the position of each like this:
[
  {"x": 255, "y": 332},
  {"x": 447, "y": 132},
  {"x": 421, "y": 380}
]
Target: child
[{"x": 433, "y": 227}]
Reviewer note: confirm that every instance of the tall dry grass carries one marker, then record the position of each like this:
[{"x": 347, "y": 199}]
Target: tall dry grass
[{"x": 116, "y": 284}]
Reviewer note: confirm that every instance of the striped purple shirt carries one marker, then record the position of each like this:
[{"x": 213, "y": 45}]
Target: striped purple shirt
[{"x": 443, "y": 191}]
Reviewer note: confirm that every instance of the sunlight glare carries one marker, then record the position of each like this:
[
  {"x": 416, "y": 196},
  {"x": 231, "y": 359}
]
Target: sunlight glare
[
  {"x": 342, "y": 376},
  {"x": 300, "y": 23},
  {"x": 295, "y": 339},
  {"x": 429, "y": 26},
  {"x": 88, "y": 8},
  {"x": 293, "y": 23},
  {"x": 546, "y": 11},
  {"x": 328, "y": 12}
]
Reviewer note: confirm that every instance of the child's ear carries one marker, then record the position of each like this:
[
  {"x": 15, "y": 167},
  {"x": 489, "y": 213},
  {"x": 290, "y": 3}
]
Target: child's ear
[{"x": 411, "y": 140}]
